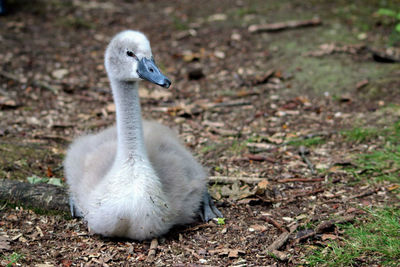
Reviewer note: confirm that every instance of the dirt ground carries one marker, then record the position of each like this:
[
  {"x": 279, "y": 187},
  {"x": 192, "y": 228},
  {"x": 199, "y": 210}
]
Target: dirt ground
[{"x": 245, "y": 103}]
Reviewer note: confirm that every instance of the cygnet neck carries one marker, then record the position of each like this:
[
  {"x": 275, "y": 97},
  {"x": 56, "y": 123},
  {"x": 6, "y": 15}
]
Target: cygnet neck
[{"x": 131, "y": 145}]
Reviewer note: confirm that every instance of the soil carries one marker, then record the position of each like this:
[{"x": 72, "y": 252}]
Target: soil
[{"x": 236, "y": 99}]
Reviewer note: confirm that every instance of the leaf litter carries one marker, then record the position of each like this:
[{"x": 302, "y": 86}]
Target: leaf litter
[{"x": 229, "y": 105}]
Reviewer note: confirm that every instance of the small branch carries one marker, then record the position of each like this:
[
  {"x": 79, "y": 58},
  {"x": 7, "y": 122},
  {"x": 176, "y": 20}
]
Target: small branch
[
  {"x": 365, "y": 194},
  {"x": 152, "y": 250},
  {"x": 280, "y": 26},
  {"x": 323, "y": 226},
  {"x": 254, "y": 157},
  {"x": 46, "y": 86},
  {"x": 280, "y": 241},
  {"x": 229, "y": 104},
  {"x": 231, "y": 180},
  {"x": 53, "y": 137},
  {"x": 275, "y": 223},
  {"x": 305, "y": 180}
]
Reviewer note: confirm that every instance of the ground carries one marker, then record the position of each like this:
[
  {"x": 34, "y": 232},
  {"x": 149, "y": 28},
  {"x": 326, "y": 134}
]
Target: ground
[{"x": 306, "y": 111}]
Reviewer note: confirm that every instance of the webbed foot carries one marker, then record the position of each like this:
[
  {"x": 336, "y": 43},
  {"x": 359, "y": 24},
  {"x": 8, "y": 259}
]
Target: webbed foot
[
  {"x": 75, "y": 212},
  {"x": 209, "y": 210}
]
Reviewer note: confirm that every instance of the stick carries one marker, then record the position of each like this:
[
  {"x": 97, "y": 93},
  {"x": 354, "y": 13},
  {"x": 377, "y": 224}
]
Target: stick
[
  {"x": 278, "y": 243},
  {"x": 52, "y": 137},
  {"x": 366, "y": 193},
  {"x": 305, "y": 180},
  {"x": 258, "y": 158},
  {"x": 231, "y": 180},
  {"x": 322, "y": 227},
  {"x": 275, "y": 223},
  {"x": 152, "y": 250},
  {"x": 229, "y": 104},
  {"x": 279, "y": 26}
]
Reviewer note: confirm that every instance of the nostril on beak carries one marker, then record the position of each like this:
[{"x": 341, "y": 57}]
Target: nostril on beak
[{"x": 167, "y": 83}]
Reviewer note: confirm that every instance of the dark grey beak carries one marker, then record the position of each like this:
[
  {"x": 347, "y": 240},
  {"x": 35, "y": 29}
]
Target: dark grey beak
[{"x": 148, "y": 70}]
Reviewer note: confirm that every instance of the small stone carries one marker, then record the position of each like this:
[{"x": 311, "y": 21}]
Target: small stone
[
  {"x": 59, "y": 74},
  {"x": 219, "y": 54},
  {"x": 203, "y": 261}
]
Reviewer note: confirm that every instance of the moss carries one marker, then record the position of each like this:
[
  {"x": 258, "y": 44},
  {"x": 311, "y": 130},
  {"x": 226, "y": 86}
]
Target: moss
[{"x": 18, "y": 161}]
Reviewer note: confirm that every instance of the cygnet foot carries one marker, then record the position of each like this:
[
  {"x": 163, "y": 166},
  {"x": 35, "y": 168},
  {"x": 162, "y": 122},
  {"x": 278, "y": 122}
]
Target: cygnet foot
[
  {"x": 209, "y": 210},
  {"x": 75, "y": 212}
]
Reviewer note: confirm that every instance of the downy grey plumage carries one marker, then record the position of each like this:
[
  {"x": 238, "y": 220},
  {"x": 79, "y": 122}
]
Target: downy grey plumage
[{"x": 135, "y": 179}]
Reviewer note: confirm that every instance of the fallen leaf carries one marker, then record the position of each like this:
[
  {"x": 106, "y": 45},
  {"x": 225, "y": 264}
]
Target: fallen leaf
[
  {"x": 36, "y": 179},
  {"x": 262, "y": 187},
  {"x": 258, "y": 227},
  {"x": 361, "y": 84},
  {"x": 49, "y": 172},
  {"x": 59, "y": 74},
  {"x": 7, "y": 103},
  {"x": 55, "y": 181},
  {"x": 233, "y": 253}
]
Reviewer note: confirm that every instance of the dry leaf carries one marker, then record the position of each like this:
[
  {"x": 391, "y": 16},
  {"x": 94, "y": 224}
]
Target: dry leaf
[
  {"x": 262, "y": 187},
  {"x": 258, "y": 227}
]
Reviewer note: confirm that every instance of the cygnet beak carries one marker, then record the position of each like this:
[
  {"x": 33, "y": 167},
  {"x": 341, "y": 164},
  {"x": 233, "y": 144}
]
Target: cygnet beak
[{"x": 148, "y": 70}]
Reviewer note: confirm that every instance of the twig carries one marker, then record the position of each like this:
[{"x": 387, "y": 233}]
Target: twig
[
  {"x": 305, "y": 180},
  {"x": 274, "y": 27},
  {"x": 322, "y": 227},
  {"x": 231, "y": 180},
  {"x": 45, "y": 86},
  {"x": 280, "y": 241},
  {"x": 52, "y": 137},
  {"x": 229, "y": 104},
  {"x": 366, "y": 193},
  {"x": 303, "y": 152},
  {"x": 259, "y": 158},
  {"x": 152, "y": 250},
  {"x": 196, "y": 227},
  {"x": 275, "y": 223}
]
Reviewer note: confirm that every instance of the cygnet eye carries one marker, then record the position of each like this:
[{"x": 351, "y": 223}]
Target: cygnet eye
[{"x": 130, "y": 54}]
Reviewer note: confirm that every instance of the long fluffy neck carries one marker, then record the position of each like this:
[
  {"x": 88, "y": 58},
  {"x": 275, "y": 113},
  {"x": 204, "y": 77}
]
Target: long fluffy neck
[{"x": 131, "y": 145}]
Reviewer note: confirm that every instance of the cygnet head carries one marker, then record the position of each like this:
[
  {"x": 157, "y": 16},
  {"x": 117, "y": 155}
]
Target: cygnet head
[{"x": 128, "y": 58}]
